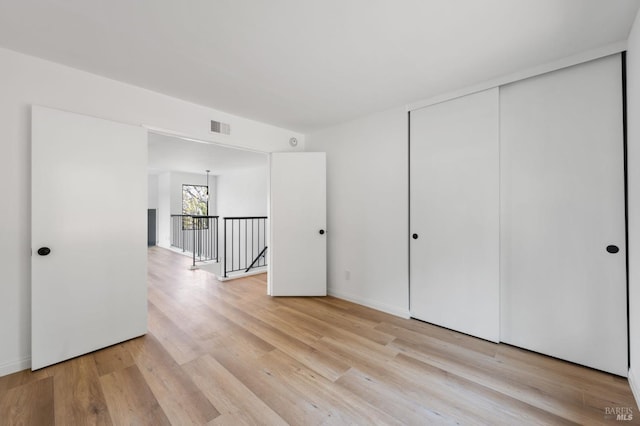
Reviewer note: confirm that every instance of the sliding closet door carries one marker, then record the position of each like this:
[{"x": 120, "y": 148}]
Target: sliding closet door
[
  {"x": 454, "y": 246},
  {"x": 562, "y": 216}
]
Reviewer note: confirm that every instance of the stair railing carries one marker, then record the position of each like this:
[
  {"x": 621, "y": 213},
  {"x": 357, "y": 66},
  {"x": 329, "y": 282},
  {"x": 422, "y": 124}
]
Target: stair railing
[
  {"x": 197, "y": 235},
  {"x": 245, "y": 243}
]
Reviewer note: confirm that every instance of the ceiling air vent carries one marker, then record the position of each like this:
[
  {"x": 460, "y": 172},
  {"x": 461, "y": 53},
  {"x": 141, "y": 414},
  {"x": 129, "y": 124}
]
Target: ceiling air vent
[{"x": 221, "y": 128}]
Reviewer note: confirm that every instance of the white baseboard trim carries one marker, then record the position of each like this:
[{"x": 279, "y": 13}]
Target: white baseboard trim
[
  {"x": 175, "y": 250},
  {"x": 257, "y": 271},
  {"x": 15, "y": 366},
  {"x": 634, "y": 383},
  {"x": 373, "y": 304}
]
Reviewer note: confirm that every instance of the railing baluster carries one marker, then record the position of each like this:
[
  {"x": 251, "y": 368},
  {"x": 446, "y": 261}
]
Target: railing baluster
[
  {"x": 258, "y": 233},
  {"x": 245, "y": 242},
  {"x": 193, "y": 229},
  {"x": 197, "y": 235},
  {"x": 225, "y": 247}
]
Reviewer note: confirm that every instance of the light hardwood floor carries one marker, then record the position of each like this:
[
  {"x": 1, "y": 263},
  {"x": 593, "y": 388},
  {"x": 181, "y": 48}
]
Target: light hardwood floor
[{"x": 225, "y": 353}]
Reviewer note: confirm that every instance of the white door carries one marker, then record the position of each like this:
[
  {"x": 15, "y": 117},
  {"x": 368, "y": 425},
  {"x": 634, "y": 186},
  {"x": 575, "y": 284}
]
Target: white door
[
  {"x": 454, "y": 246},
  {"x": 297, "y": 246},
  {"x": 563, "y": 293},
  {"x": 89, "y": 210}
]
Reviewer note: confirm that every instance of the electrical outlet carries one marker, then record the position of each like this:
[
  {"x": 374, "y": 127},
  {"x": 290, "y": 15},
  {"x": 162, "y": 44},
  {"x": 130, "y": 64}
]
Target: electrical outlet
[{"x": 347, "y": 275}]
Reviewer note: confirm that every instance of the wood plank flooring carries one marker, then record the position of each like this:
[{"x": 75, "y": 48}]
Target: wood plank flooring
[{"x": 227, "y": 354}]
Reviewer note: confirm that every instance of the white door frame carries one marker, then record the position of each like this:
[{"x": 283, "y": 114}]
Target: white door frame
[{"x": 178, "y": 135}]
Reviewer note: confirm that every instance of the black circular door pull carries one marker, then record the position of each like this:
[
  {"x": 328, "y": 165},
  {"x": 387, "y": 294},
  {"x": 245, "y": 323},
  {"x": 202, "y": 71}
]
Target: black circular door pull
[
  {"x": 43, "y": 251},
  {"x": 322, "y": 232},
  {"x": 414, "y": 236},
  {"x": 613, "y": 249}
]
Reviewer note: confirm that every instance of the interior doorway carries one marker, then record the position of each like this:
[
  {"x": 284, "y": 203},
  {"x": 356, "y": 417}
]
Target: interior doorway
[{"x": 211, "y": 202}]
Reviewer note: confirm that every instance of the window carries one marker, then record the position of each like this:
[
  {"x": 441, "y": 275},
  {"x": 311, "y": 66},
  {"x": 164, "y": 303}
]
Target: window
[{"x": 195, "y": 202}]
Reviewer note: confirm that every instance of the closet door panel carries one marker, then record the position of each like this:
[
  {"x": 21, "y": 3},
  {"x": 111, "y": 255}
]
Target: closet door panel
[
  {"x": 562, "y": 204},
  {"x": 454, "y": 207}
]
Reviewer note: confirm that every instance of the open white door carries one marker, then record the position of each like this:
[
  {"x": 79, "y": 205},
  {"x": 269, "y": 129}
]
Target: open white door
[
  {"x": 89, "y": 258},
  {"x": 298, "y": 250}
]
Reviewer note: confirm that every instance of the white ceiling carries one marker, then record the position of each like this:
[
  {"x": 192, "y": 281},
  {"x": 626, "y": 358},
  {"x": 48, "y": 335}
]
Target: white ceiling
[
  {"x": 304, "y": 64},
  {"x": 167, "y": 153}
]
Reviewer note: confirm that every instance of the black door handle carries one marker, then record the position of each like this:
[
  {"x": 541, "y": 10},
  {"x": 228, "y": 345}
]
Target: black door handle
[
  {"x": 322, "y": 232},
  {"x": 43, "y": 251},
  {"x": 613, "y": 249},
  {"x": 414, "y": 236}
]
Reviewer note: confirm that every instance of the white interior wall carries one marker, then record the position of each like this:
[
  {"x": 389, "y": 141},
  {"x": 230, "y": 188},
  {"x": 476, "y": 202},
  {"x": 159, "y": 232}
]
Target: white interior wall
[
  {"x": 243, "y": 192},
  {"x": 27, "y": 80},
  {"x": 367, "y": 209},
  {"x": 633, "y": 165},
  {"x": 163, "y": 216},
  {"x": 152, "y": 195}
]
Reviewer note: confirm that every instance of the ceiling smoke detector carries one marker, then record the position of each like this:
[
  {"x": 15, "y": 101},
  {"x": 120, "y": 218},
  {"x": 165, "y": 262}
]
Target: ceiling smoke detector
[{"x": 293, "y": 142}]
